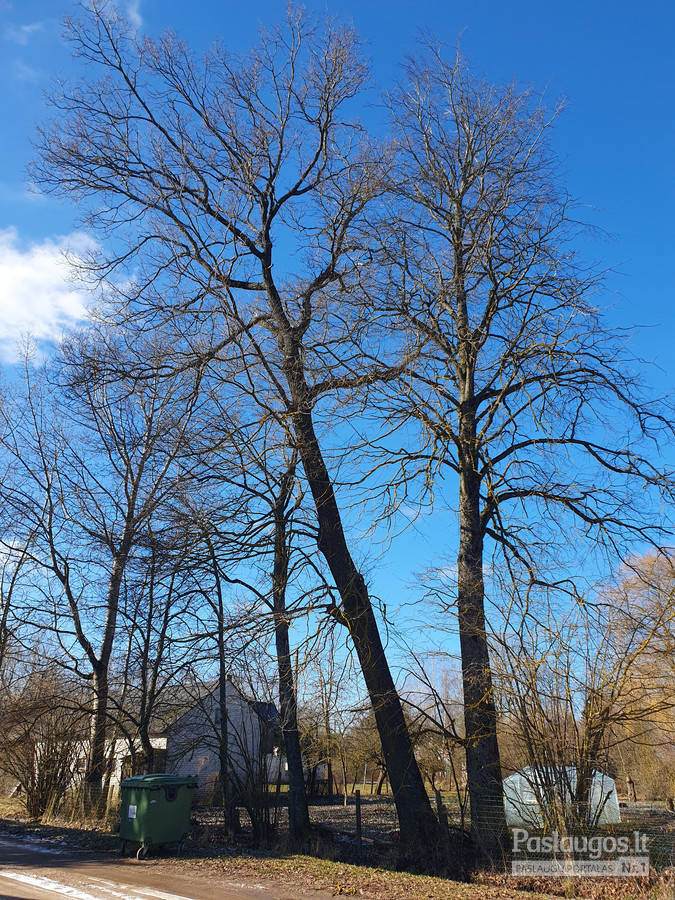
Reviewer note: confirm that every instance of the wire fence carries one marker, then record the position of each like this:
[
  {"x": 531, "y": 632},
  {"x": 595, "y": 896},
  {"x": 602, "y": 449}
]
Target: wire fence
[{"x": 370, "y": 824}]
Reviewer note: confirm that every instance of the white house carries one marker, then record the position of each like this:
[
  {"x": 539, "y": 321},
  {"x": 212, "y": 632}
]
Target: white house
[
  {"x": 186, "y": 739},
  {"x": 193, "y": 741}
]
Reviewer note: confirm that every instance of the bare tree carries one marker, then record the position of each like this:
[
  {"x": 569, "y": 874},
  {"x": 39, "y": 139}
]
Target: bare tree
[
  {"x": 15, "y": 542},
  {"x": 42, "y": 730},
  {"x": 219, "y": 175},
  {"x": 272, "y": 545},
  {"x": 156, "y": 625},
  {"x": 220, "y": 544},
  {"x": 360, "y": 750},
  {"x": 436, "y": 711},
  {"x": 245, "y": 531},
  {"x": 575, "y": 688},
  {"x": 333, "y": 702},
  {"x": 97, "y": 463},
  {"x": 14, "y": 560},
  {"x": 283, "y": 510},
  {"x": 520, "y": 376}
]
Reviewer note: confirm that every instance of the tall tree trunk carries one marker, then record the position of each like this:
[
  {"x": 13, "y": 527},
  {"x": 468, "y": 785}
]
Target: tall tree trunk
[
  {"x": 483, "y": 768},
  {"x": 93, "y": 799},
  {"x": 224, "y": 755},
  {"x": 93, "y": 783},
  {"x": 224, "y": 731},
  {"x": 223, "y": 679},
  {"x": 420, "y": 835},
  {"x": 298, "y": 811},
  {"x": 418, "y": 825}
]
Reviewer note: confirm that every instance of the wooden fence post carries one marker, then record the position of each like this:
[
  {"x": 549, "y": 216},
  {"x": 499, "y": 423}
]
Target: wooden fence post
[{"x": 358, "y": 825}]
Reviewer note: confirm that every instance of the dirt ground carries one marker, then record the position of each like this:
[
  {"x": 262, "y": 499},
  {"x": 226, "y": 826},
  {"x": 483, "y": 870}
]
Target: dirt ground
[
  {"x": 334, "y": 868},
  {"x": 34, "y": 870}
]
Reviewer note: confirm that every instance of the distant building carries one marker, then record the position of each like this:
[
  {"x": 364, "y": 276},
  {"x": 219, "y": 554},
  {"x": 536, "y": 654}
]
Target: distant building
[
  {"x": 193, "y": 742},
  {"x": 186, "y": 736}
]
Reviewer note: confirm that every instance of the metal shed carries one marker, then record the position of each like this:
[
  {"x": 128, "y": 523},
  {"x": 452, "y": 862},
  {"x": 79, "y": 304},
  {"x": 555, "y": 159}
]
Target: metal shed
[{"x": 524, "y": 793}]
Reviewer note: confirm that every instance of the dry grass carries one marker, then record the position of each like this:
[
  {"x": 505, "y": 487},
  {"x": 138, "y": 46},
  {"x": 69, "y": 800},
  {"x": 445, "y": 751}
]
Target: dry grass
[
  {"x": 340, "y": 879},
  {"x": 337, "y": 877},
  {"x": 11, "y": 808},
  {"x": 309, "y": 873}
]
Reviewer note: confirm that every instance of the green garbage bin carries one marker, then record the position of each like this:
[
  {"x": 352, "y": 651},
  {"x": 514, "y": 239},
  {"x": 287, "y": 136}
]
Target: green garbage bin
[{"x": 155, "y": 811}]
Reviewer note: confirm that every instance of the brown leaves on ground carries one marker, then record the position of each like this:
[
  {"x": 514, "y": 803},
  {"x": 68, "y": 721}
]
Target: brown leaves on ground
[
  {"x": 656, "y": 887},
  {"x": 308, "y": 873}
]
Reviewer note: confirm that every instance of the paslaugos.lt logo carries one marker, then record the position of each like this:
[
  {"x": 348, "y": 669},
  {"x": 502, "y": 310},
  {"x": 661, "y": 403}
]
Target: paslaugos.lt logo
[{"x": 578, "y": 845}]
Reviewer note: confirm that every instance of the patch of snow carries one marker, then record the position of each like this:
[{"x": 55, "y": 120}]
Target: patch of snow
[
  {"x": 48, "y": 884},
  {"x": 32, "y": 842}
]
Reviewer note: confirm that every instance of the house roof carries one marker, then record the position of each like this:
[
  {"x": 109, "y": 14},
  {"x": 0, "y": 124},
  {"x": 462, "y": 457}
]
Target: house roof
[
  {"x": 268, "y": 714},
  {"x": 177, "y": 700}
]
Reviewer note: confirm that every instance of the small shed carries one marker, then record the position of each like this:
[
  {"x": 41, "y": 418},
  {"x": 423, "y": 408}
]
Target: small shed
[{"x": 524, "y": 793}]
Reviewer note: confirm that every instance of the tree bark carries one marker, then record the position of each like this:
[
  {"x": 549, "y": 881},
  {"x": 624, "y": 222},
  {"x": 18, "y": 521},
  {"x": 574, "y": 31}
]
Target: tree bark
[
  {"x": 418, "y": 824},
  {"x": 483, "y": 767},
  {"x": 381, "y": 778},
  {"x": 298, "y": 811},
  {"x": 224, "y": 730},
  {"x": 101, "y": 664},
  {"x": 148, "y": 750},
  {"x": 93, "y": 783}
]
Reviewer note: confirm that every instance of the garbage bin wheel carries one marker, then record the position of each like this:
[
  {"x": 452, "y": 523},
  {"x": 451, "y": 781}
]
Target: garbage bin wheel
[
  {"x": 123, "y": 848},
  {"x": 142, "y": 852}
]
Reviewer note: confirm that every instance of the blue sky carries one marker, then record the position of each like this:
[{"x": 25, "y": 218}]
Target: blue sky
[{"x": 611, "y": 60}]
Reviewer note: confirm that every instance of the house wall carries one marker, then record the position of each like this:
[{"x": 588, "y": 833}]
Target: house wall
[
  {"x": 117, "y": 755},
  {"x": 193, "y": 743},
  {"x": 121, "y": 757}
]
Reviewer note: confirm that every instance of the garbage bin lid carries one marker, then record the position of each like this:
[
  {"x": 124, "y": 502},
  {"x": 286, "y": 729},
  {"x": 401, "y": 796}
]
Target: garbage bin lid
[{"x": 159, "y": 780}]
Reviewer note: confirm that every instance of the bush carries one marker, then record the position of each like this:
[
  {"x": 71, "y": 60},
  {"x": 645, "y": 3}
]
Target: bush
[{"x": 40, "y": 739}]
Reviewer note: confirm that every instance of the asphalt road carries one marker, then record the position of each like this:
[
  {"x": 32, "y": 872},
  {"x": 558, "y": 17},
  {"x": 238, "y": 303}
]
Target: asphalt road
[{"x": 31, "y": 871}]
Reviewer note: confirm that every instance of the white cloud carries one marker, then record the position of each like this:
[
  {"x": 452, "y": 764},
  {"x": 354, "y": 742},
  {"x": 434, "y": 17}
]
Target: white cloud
[
  {"x": 37, "y": 295},
  {"x": 20, "y": 192},
  {"x": 129, "y": 9},
  {"x": 134, "y": 13},
  {"x": 20, "y": 34},
  {"x": 22, "y": 72}
]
